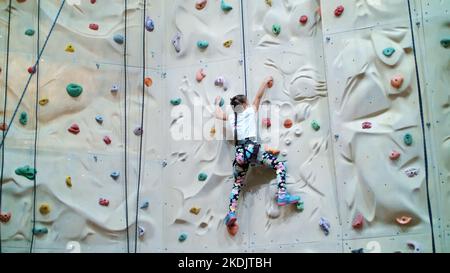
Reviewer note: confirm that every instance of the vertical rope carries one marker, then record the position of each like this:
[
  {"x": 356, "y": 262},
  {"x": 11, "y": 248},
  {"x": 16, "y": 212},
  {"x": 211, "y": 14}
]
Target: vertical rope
[
  {"x": 244, "y": 49},
  {"x": 126, "y": 126},
  {"x": 4, "y": 110}
]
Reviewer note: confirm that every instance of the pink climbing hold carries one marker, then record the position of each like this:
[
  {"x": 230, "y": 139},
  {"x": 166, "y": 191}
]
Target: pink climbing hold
[
  {"x": 93, "y": 1},
  {"x": 74, "y": 129},
  {"x": 5, "y": 217},
  {"x": 93, "y": 26},
  {"x": 266, "y": 122},
  {"x": 103, "y": 202},
  {"x": 394, "y": 155},
  {"x": 31, "y": 69},
  {"x": 404, "y": 220},
  {"x": 397, "y": 81},
  {"x": 200, "y": 4},
  {"x": 358, "y": 221},
  {"x": 200, "y": 75},
  {"x": 107, "y": 140},
  {"x": 338, "y": 11},
  {"x": 367, "y": 125},
  {"x": 303, "y": 19}
]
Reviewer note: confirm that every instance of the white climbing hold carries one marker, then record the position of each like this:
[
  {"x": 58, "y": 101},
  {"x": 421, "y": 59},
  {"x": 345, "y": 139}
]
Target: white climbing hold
[
  {"x": 176, "y": 42},
  {"x": 287, "y": 142},
  {"x": 141, "y": 231}
]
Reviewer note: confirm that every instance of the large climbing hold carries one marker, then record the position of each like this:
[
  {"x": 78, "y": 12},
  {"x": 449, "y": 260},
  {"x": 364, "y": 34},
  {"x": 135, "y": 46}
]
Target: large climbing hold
[
  {"x": 29, "y": 32},
  {"x": 200, "y": 75},
  {"x": 74, "y": 90},
  {"x": 202, "y": 177},
  {"x": 339, "y": 11},
  {"x": 389, "y": 51},
  {"x": 358, "y": 222},
  {"x": 200, "y": 4},
  {"x": 176, "y": 42},
  {"x": 225, "y": 6},
  {"x": 175, "y": 102},
  {"x": 74, "y": 129},
  {"x": 23, "y": 119},
  {"x": 202, "y": 44},
  {"x": 44, "y": 208},
  {"x": 70, "y": 48},
  {"x": 408, "y": 139},
  {"x": 26, "y": 171},
  {"x": 397, "y": 81},
  {"x": 276, "y": 29},
  {"x": 445, "y": 43},
  {"x": 5, "y": 217},
  {"x": 149, "y": 24},
  {"x": 119, "y": 39},
  {"x": 324, "y": 225}
]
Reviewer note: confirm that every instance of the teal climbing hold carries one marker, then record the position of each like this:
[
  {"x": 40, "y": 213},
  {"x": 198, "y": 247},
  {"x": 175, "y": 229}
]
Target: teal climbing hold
[
  {"x": 175, "y": 102},
  {"x": 202, "y": 177},
  {"x": 445, "y": 43},
  {"x": 74, "y": 90},
  {"x": 222, "y": 102},
  {"x": 23, "y": 119},
  {"x": 26, "y": 171},
  {"x": 389, "y": 51},
  {"x": 202, "y": 44},
  {"x": 118, "y": 38},
  {"x": 276, "y": 29},
  {"x": 29, "y": 32},
  {"x": 225, "y": 6},
  {"x": 408, "y": 139},
  {"x": 315, "y": 125},
  {"x": 40, "y": 230},
  {"x": 300, "y": 206},
  {"x": 182, "y": 237}
]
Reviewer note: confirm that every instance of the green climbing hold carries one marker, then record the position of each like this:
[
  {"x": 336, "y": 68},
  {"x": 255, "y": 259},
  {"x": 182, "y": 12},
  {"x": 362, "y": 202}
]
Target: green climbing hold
[
  {"x": 315, "y": 125},
  {"x": 225, "y": 6},
  {"x": 74, "y": 90},
  {"x": 29, "y": 32},
  {"x": 389, "y": 51},
  {"x": 23, "y": 119},
  {"x": 175, "y": 102},
  {"x": 26, "y": 171},
  {"x": 276, "y": 29},
  {"x": 182, "y": 237},
  {"x": 202, "y": 44},
  {"x": 222, "y": 102},
  {"x": 445, "y": 43},
  {"x": 301, "y": 206},
  {"x": 408, "y": 139},
  {"x": 202, "y": 177}
]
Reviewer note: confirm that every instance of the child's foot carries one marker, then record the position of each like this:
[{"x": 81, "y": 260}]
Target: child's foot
[
  {"x": 233, "y": 230},
  {"x": 230, "y": 219},
  {"x": 285, "y": 199}
]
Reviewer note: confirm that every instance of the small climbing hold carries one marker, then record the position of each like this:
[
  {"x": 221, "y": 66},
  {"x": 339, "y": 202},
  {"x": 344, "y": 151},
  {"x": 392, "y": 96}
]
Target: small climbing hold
[
  {"x": 141, "y": 231},
  {"x": 415, "y": 246},
  {"x": 288, "y": 123},
  {"x": 221, "y": 82},
  {"x": 23, "y": 119},
  {"x": 175, "y": 102},
  {"x": 408, "y": 139},
  {"x": 200, "y": 4},
  {"x": 288, "y": 142},
  {"x": 269, "y": 3},
  {"x": 74, "y": 90},
  {"x": 74, "y": 129},
  {"x": 103, "y": 202},
  {"x": 412, "y": 172},
  {"x": 298, "y": 133},
  {"x": 276, "y": 29},
  {"x": 202, "y": 177},
  {"x": 3, "y": 126},
  {"x": 70, "y": 48},
  {"x": 404, "y": 220},
  {"x": 26, "y": 171},
  {"x": 93, "y": 1},
  {"x": 225, "y": 6},
  {"x": 99, "y": 119},
  {"x": 149, "y": 24},
  {"x": 300, "y": 206},
  {"x": 115, "y": 89},
  {"x": 69, "y": 181},
  {"x": 31, "y": 69},
  {"x": 43, "y": 102},
  {"x": 29, "y": 32},
  {"x": 44, "y": 208},
  {"x": 93, "y": 26},
  {"x": 325, "y": 225},
  {"x": 145, "y": 205},
  {"x": 118, "y": 38},
  {"x": 176, "y": 42},
  {"x": 5, "y": 217},
  {"x": 40, "y": 231},
  {"x": 195, "y": 210},
  {"x": 115, "y": 175},
  {"x": 315, "y": 125},
  {"x": 366, "y": 125},
  {"x": 359, "y": 250},
  {"x": 284, "y": 153},
  {"x": 394, "y": 155},
  {"x": 221, "y": 102},
  {"x": 200, "y": 75},
  {"x": 303, "y": 19},
  {"x": 202, "y": 44},
  {"x": 445, "y": 43},
  {"x": 389, "y": 51},
  {"x": 266, "y": 122},
  {"x": 397, "y": 81},
  {"x": 148, "y": 81},
  {"x": 358, "y": 222},
  {"x": 138, "y": 131},
  {"x": 338, "y": 11},
  {"x": 228, "y": 43},
  {"x": 107, "y": 140},
  {"x": 212, "y": 131}
]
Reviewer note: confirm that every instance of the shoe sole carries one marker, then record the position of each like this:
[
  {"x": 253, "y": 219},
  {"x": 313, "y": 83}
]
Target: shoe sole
[
  {"x": 285, "y": 203},
  {"x": 231, "y": 222}
]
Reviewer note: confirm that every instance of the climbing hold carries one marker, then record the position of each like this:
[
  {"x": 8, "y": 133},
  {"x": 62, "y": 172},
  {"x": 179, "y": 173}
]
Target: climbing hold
[
  {"x": 93, "y": 1},
  {"x": 276, "y": 29},
  {"x": 23, "y": 119},
  {"x": 221, "y": 102},
  {"x": 225, "y": 6},
  {"x": 228, "y": 43},
  {"x": 359, "y": 250},
  {"x": 115, "y": 89},
  {"x": 412, "y": 172},
  {"x": 200, "y": 75},
  {"x": 221, "y": 82},
  {"x": 176, "y": 40},
  {"x": 338, "y": 11},
  {"x": 288, "y": 123},
  {"x": 358, "y": 221},
  {"x": 44, "y": 208},
  {"x": 5, "y": 217},
  {"x": 202, "y": 177},
  {"x": 103, "y": 202},
  {"x": 3, "y": 126},
  {"x": 202, "y": 44},
  {"x": 99, "y": 119},
  {"x": 445, "y": 43},
  {"x": 266, "y": 122},
  {"x": 414, "y": 246},
  {"x": 269, "y": 3},
  {"x": 138, "y": 131},
  {"x": 145, "y": 205},
  {"x": 287, "y": 142},
  {"x": 31, "y": 69},
  {"x": 26, "y": 171},
  {"x": 298, "y": 133},
  {"x": 70, "y": 48},
  {"x": 212, "y": 131},
  {"x": 300, "y": 206},
  {"x": 69, "y": 181},
  {"x": 366, "y": 125},
  {"x": 200, "y": 4},
  {"x": 148, "y": 81},
  {"x": 74, "y": 129},
  {"x": 315, "y": 125},
  {"x": 195, "y": 210},
  {"x": 408, "y": 139},
  {"x": 389, "y": 51},
  {"x": 93, "y": 26},
  {"x": 107, "y": 140},
  {"x": 394, "y": 155},
  {"x": 149, "y": 24},
  {"x": 303, "y": 19},
  {"x": 43, "y": 102},
  {"x": 115, "y": 175},
  {"x": 141, "y": 231},
  {"x": 118, "y": 38},
  {"x": 182, "y": 237},
  {"x": 397, "y": 81},
  {"x": 29, "y": 32},
  {"x": 284, "y": 153},
  {"x": 74, "y": 90},
  {"x": 175, "y": 102},
  {"x": 40, "y": 231},
  {"x": 404, "y": 220},
  {"x": 325, "y": 225}
]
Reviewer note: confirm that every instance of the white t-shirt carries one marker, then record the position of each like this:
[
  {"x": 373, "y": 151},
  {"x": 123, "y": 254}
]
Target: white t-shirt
[{"x": 246, "y": 123}]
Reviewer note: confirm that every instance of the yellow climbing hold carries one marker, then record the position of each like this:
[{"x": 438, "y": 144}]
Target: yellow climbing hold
[
  {"x": 44, "y": 208},
  {"x": 69, "y": 181},
  {"x": 228, "y": 43},
  {"x": 195, "y": 210},
  {"x": 70, "y": 48},
  {"x": 43, "y": 102},
  {"x": 269, "y": 3},
  {"x": 212, "y": 131}
]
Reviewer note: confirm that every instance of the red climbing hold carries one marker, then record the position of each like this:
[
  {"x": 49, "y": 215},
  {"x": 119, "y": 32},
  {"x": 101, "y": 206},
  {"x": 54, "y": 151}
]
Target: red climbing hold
[
  {"x": 367, "y": 125},
  {"x": 31, "y": 69},
  {"x": 103, "y": 202},
  {"x": 74, "y": 129},
  {"x": 93, "y": 26},
  {"x": 394, "y": 155},
  {"x": 107, "y": 140},
  {"x": 266, "y": 122},
  {"x": 358, "y": 221},
  {"x": 288, "y": 123},
  {"x": 148, "y": 81},
  {"x": 5, "y": 217},
  {"x": 93, "y": 1},
  {"x": 3, "y": 126},
  {"x": 303, "y": 20},
  {"x": 338, "y": 11}
]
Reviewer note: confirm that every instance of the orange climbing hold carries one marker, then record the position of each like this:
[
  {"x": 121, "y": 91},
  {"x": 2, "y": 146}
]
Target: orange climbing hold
[
  {"x": 397, "y": 81},
  {"x": 288, "y": 123},
  {"x": 404, "y": 220},
  {"x": 272, "y": 150},
  {"x": 148, "y": 81}
]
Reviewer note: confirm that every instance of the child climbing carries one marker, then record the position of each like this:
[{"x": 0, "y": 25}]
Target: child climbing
[{"x": 243, "y": 122}]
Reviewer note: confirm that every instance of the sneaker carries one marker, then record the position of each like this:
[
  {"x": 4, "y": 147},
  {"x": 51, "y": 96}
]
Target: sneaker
[
  {"x": 286, "y": 198},
  {"x": 230, "y": 219}
]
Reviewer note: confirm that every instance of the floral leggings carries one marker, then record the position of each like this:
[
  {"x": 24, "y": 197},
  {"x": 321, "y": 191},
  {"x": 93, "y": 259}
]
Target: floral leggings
[{"x": 242, "y": 163}]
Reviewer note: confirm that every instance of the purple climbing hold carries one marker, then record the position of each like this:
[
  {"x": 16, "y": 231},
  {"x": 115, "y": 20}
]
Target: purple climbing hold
[
  {"x": 149, "y": 24},
  {"x": 138, "y": 131},
  {"x": 325, "y": 225}
]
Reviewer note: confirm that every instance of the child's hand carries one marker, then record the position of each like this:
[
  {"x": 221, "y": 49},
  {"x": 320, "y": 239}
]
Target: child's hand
[{"x": 269, "y": 82}]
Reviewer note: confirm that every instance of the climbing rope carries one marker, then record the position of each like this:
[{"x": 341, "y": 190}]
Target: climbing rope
[
  {"x": 142, "y": 126},
  {"x": 4, "y": 109},
  {"x": 243, "y": 47},
  {"x": 31, "y": 75}
]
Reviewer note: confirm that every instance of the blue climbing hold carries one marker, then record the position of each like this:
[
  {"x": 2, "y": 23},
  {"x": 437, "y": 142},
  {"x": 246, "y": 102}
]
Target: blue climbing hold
[
  {"x": 115, "y": 175},
  {"x": 118, "y": 38},
  {"x": 145, "y": 205},
  {"x": 202, "y": 44},
  {"x": 182, "y": 237},
  {"x": 99, "y": 119},
  {"x": 389, "y": 51},
  {"x": 325, "y": 225},
  {"x": 225, "y": 6},
  {"x": 40, "y": 230},
  {"x": 149, "y": 24}
]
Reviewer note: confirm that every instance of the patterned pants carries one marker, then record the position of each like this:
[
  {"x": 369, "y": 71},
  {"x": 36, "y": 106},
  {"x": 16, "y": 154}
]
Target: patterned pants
[{"x": 242, "y": 163}]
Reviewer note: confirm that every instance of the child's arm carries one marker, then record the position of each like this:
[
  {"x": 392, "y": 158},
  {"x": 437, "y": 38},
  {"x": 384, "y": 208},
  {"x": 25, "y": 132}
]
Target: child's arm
[
  {"x": 267, "y": 83},
  {"x": 219, "y": 112}
]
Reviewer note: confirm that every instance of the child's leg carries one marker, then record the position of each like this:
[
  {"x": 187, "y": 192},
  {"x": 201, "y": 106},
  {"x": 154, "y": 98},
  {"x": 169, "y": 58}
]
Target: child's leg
[
  {"x": 271, "y": 161},
  {"x": 240, "y": 170}
]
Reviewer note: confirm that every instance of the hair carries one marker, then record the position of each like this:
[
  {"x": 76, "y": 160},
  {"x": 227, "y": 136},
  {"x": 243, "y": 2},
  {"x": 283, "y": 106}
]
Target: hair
[{"x": 238, "y": 100}]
